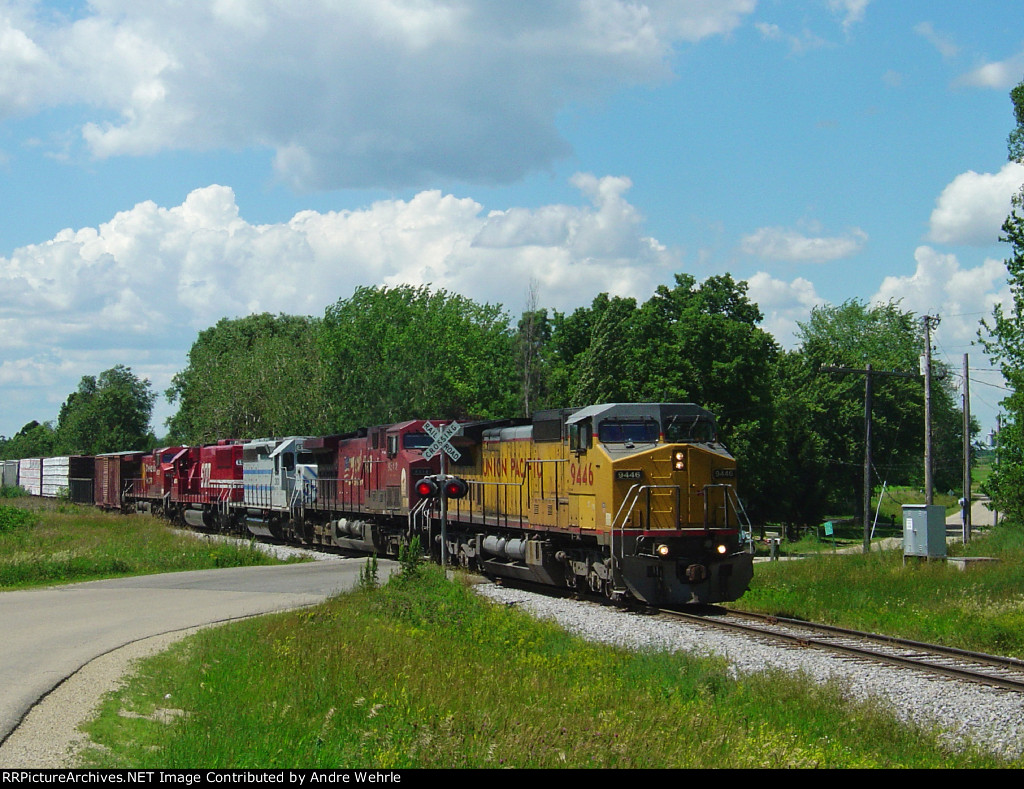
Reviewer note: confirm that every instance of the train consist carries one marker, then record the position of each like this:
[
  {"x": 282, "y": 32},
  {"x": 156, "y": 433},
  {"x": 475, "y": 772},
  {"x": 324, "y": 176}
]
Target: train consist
[{"x": 630, "y": 500}]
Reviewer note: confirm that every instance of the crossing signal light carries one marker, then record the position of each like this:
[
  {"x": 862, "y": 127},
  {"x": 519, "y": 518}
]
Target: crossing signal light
[
  {"x": 451, "y": 487},
  {"x": 455, "y": 488},
  {"x": 427, "y": 488}
]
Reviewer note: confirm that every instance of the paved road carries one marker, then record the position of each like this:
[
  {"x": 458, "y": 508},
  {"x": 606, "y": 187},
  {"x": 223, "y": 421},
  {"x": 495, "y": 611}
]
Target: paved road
[
  {"x": 981, "y": 514},
  {"x": 47, "y": 635}
]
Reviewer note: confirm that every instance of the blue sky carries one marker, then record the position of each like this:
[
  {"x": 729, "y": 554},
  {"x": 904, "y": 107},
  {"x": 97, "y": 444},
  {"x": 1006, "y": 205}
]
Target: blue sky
[{"x": 163, "y": 165}]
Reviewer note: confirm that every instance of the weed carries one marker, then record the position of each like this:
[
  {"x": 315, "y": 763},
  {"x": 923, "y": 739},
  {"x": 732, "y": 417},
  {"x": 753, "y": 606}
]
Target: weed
[
  {"x": 368, "y": 576},
  {"x": 410, "y": 558},
  {"x": 12, "y": 518},
  {"x": 12, "y": 492}
]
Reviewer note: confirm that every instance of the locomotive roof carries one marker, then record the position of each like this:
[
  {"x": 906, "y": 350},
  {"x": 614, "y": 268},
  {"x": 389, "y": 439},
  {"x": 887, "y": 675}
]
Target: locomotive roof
[{"x": 656, "y": 411}]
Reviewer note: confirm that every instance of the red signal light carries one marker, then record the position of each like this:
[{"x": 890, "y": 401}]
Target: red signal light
[
  {"x": 455, "y": 488},
  {"x": 427, "y": 487}
]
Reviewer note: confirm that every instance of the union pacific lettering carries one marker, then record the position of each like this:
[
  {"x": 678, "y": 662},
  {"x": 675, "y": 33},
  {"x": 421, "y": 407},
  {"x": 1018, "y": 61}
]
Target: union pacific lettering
[{"x": 510, "y": 468}]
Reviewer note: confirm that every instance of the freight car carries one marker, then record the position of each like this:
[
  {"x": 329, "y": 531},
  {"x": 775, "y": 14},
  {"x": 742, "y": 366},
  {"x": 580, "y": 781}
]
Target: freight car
[
  {"x": 628, "y": 500},
  {"x": 52, "y": 477}
]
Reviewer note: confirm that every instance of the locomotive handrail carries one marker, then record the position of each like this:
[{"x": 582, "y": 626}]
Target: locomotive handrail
[
  {"x": 741, "y": 511},
  {"x": 725, "y": 504},
  {"x": 634, "y": 494},
  {"x": 504, "y": 510},
  {"x": 418, "y": 511}
]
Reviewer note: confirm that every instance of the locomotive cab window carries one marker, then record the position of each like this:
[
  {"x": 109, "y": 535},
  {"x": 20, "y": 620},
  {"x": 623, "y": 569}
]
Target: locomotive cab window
[
  {"x": 628, "y": 431},
  {"x": 579, "y": 436},
  {"x": 683, "y": 430},
  {"x": 416, "y": 441},
  {"x": 392, "y": 445}
]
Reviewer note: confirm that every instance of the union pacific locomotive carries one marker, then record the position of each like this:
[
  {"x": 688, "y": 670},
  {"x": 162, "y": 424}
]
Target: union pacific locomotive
[{"x": 629, "y": 500}]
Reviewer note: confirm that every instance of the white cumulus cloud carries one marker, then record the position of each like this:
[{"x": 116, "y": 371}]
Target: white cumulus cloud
[
  {"x": 361, "y": 93},
  {"x": 135, "y": 290},
  {"x": 779, "y": 243},
  {"x": 941, "y": 286},
  {"x": 999, "y": 75},
  {"x": 972, "y": 208},
  {"x": 783, "y": 304}
]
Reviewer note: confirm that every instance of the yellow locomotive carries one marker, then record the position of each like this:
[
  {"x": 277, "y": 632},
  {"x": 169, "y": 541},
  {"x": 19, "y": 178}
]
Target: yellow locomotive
[{"x": 633, "y": 500}]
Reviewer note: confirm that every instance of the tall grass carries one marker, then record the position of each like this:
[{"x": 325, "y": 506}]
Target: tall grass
[
  {"x": 979, "y": 608},
  {"x": 47, "y": 542},
  {"x": 422, "y": 673}
]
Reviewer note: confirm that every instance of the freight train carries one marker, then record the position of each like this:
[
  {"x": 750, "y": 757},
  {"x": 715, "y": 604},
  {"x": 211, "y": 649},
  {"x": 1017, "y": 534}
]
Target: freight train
[{"x": 634, "y": 501}]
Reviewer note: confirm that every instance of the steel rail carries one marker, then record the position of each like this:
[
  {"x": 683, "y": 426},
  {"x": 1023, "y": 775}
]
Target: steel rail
[{"x": 918, "y": 661}]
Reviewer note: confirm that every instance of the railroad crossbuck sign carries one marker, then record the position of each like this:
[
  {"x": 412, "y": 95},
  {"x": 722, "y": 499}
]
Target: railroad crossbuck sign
[{"x": 441, "y": 438}]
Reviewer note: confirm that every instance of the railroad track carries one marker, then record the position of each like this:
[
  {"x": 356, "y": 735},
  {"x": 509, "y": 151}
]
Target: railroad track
[{"x": 992, "y": 670}]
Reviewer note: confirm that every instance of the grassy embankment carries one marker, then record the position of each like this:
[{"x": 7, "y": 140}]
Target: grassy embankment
[
  {"x": 46, "y": 542},
  {"x": 980, "y": 608},
  {"x": 423, "y": 673}
]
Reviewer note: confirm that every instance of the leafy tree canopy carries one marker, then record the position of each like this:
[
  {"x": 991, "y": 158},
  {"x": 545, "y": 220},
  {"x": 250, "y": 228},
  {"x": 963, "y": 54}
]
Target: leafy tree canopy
[
  {"x": 406, "y": 352},
  {"x": 261, "y": 375},
  {"x": 33, "y": 440},
  {"x": 1004, "y": 341},
  {"x": 823, "y": 408},
  {"x": 108, "y": 413}
]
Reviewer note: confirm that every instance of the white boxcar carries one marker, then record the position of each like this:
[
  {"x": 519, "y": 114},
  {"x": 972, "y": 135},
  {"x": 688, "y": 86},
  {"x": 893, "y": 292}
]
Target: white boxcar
[{"x": 30, "y": 475}]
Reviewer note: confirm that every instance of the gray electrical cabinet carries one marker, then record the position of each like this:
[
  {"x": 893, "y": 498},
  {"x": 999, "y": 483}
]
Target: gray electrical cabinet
[{"x": 924, "y": 530}]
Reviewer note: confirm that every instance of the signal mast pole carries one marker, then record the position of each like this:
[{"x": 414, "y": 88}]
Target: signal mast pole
[{"x": 444, "y": 513}]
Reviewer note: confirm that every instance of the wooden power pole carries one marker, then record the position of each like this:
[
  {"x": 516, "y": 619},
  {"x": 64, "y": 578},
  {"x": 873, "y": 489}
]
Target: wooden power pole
[
  {"x": 868, "y": 374},
  {"x": 929, "y": 493},
  {"x": 967, "y": 454}
]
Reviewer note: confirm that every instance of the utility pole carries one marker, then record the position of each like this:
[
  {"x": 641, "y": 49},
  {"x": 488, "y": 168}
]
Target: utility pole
[
  {"x": 868, "y": 374},
  {"x": 967, "y": 454},
  {"x": 929, "y": 321},
  {"x": 999, "y": 426},
  {"x": 868, "y": 392}
]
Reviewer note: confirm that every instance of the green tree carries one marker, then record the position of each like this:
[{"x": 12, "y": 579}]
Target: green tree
[
  {"x": 532, "y": 338},
  {"x": 608, "y": 370},
  {"x": 1004, "y": 341},
  {"x": 261, "y": 375},
  {"x": 33, "y": 440},
  {"x": 406, "y": 352},
  {"x": 822, "y": 410},
  {"x": 108, "y": 413},
  {"x": 688, "y": 343}
]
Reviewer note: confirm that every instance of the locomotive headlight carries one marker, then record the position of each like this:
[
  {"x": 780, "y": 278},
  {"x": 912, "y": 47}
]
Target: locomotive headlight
[
  {"x": 679, "y": 461},
  {"x": 661, "y": 550},
  {"x": 721, "y": 549}
]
